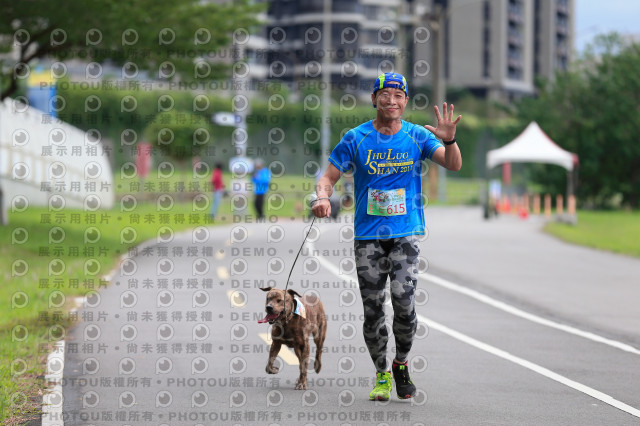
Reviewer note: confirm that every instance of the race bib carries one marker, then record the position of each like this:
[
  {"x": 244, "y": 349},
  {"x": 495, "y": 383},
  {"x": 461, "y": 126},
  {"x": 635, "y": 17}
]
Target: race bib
[{"x": 386, "y": 202}]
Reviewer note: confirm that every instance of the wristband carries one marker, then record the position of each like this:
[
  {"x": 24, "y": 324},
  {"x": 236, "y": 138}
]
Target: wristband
[
  {"x": 312, "y": 202},
  {"x": 451, "y": 142}
]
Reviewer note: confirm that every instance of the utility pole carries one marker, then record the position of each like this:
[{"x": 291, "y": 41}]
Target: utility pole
[
  {"x": 440, "y": 91},
  {"x": 325, "y": 129},
  {"x": 404, "y": 22},
  {"x": 239, "y": 165},
  {"x": 437, "y": 175},
  {"x": 240, "y": 101}
]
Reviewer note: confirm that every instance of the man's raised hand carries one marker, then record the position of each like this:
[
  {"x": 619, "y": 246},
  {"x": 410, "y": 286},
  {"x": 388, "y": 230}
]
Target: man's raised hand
[{"x": 446, "y": 127}]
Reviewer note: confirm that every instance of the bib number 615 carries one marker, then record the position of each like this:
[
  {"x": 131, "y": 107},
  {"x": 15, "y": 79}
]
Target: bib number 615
[{"x": 396, "y": 209}]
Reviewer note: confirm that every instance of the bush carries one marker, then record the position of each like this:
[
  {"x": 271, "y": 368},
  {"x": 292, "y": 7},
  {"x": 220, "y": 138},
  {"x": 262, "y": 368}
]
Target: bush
[{"x": 177, "y": 134}]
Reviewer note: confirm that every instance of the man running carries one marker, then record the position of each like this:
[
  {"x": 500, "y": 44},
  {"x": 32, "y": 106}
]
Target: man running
[{"x": 385, "y": 156}]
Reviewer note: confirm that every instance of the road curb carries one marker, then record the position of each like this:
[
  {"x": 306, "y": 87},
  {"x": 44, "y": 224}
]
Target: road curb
[{"x": 52, "y": 399}]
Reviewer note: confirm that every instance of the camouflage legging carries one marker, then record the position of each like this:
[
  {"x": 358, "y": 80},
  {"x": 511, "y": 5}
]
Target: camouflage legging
[{"x": 376, "y": 260}]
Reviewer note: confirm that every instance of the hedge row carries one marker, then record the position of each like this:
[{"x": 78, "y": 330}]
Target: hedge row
[{"x": 276, "y": 128}]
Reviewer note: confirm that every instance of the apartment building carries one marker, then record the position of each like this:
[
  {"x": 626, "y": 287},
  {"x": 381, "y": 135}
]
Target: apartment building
[
  {"x": 494, "y": 48},
  {"x": 362, "y": 41},
  {"x": 497, "y": 48}
]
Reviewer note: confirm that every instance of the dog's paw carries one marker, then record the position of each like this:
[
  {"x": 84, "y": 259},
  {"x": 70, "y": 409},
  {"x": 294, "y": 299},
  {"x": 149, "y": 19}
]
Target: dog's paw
[
  {"x": 301, "y": 386},
  {"x": 272, "y": 369},
  {"x": 317, "y": 366}
]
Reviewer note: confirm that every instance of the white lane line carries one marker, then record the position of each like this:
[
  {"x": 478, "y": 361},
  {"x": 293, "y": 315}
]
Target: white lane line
[
  {"x": 286, "y": 354},
  {"x": 607, "y": 399},
  {"x": 223, "y": 272},
  {"x": 526, "y": 315},
  {"x": 531, "y": 366},
  {"x": 509, "y": 309}
]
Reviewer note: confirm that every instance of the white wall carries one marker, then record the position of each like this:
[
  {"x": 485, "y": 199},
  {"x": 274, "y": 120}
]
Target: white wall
[{"x": 37, "y": 150}]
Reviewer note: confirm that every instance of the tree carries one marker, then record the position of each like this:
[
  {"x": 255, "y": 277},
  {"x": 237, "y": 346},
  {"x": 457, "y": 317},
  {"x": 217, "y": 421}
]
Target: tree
[
  {"x": 592, "y": 111},
  {"x": 170, "y": 39}
]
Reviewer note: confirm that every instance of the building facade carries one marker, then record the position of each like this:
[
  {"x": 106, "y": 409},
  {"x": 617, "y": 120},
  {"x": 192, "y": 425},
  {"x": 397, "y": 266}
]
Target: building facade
[
  {"x": 362, "y": 41},
  {"x": 497, "y": 48},
  {"x": 493, "y": 48}
]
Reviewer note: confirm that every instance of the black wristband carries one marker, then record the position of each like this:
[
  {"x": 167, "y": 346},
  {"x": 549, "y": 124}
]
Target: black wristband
[
  {"x": 451, "y": 142},
  {"x": 312, "y": 202}
]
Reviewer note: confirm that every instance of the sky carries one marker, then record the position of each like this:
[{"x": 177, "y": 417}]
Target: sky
[{"x": 596, "y": 16}]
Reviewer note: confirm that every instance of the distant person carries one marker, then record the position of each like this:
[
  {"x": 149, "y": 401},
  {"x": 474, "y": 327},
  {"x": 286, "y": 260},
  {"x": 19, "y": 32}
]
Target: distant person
[
  {"x": 261, "y": 179},
  {"x": 217, "y": 182}
]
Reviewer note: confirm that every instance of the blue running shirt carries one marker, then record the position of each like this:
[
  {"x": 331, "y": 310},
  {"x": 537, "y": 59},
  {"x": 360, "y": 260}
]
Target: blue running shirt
[{"x": 387, "y": 173}]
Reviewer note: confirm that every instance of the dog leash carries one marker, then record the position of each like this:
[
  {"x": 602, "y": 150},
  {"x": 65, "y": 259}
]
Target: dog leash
[
  {"x": 311, "y": 202},
  {"x": 294, "y": 264}
]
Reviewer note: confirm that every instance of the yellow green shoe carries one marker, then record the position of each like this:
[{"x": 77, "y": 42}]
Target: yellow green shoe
[{"x": 382, "y": 389}]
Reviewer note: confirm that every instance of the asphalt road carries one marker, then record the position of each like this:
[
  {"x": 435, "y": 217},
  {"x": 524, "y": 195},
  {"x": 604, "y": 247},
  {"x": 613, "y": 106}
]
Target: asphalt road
[{"x": 516, "y": 327}]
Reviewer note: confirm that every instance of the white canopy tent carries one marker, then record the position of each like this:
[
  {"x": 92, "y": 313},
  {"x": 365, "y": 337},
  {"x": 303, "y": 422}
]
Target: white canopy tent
[{"x": 534, "y": 146}]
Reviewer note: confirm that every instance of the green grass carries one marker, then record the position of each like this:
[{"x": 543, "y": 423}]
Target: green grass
[
  {"x": 615, "y": 231},
  {"x": 185, "y": 180},
  {"x": 464, "y": 191}
]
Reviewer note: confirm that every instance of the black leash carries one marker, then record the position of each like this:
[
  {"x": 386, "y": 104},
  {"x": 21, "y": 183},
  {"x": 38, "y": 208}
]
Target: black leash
[
  {"x": 294, "y": 264},
  {"x": 312, "y": 201}
]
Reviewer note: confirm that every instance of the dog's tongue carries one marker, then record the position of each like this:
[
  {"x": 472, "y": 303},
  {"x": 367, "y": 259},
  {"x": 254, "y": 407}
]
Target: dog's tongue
[{"x": 268, "y": 318}]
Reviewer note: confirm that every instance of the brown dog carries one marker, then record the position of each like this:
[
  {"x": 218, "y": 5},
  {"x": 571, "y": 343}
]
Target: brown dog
[{"x": 292, "y": 326}]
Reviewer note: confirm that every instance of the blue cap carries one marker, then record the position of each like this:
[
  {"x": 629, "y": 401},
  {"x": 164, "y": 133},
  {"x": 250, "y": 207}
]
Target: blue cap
[{"x": 393, "y": 80}]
